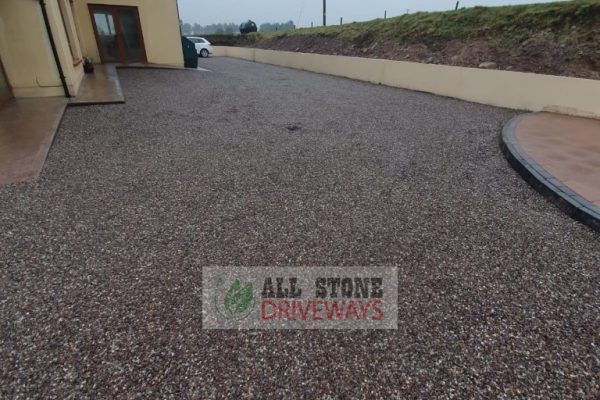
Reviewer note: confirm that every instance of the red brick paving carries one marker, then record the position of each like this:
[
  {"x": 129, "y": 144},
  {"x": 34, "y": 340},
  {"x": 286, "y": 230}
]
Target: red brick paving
[{"x": 567, "y": 147}]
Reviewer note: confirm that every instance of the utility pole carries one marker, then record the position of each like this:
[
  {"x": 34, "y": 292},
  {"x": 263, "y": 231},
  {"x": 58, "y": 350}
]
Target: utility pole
[
  {"x": 456, "y": 8},
  {"x": 324, "y": 12},
  {"x": 341, "y": 21},
  {"x": 385, "y": 14},
  {"x": 311, "y": 24}
]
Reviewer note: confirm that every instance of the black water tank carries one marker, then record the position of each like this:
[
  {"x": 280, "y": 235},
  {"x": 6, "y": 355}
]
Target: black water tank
[
  {"x": 190, "y": 56},
  {"x": 248, "y": 27}
]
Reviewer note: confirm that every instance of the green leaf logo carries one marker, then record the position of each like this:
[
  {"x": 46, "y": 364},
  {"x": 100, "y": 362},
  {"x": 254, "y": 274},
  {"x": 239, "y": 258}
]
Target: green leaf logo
[{"x": 238, "y": 301}]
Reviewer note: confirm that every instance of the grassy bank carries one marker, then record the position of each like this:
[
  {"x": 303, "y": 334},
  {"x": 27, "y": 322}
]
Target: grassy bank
[
  {"x": 561, "y": 38},
  {"x": 506, "y": 26}
]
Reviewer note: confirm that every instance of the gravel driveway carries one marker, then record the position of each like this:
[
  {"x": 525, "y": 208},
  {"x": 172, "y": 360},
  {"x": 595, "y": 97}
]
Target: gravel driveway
[{"x": 100, "y": 259}]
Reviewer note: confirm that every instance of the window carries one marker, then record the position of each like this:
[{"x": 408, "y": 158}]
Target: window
[{"x": 70, "y": 31}]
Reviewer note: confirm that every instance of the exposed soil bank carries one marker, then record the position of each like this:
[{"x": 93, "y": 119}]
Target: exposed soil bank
[{"x": 542, "y": 54}]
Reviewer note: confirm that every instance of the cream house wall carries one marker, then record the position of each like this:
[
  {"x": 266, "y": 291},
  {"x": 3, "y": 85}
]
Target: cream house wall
[
  {"x": 26, "y": 52},
  {"x": 159, "y": 21}
]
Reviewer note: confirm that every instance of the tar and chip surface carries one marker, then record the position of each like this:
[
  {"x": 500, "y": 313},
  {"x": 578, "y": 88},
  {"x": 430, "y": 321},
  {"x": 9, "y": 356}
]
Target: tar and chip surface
[{"x": 101, "y": 258}]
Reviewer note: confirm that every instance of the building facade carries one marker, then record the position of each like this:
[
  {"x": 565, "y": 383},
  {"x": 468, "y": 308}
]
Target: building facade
[{"x": 43, "y": 43}]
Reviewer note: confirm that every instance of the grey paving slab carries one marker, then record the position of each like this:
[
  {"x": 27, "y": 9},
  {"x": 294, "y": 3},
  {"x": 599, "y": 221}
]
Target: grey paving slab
[{"x": 100, "y": 87}]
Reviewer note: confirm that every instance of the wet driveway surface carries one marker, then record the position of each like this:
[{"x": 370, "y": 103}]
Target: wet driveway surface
[{"x": 248, "y": 165}]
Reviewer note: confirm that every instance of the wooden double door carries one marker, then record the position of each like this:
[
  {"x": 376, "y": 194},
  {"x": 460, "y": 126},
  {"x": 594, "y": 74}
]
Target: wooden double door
[{"x": 118, "y": 33}]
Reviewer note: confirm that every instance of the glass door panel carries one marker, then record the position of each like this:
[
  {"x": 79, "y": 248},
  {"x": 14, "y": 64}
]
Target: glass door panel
[
  {"x": 132, "y": 42},
  {"x": 107, "y": 35},
  {"x": 118, "y": 33}
]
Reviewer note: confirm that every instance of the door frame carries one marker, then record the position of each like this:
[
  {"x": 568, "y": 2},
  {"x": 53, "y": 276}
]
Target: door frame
[
  {"x": 112, "y": 9},
  {"x": 6, "y": 97}
]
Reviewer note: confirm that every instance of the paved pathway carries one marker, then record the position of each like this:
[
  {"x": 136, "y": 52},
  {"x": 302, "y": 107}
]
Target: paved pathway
[
  {"x": 100, "y": 259},
  {"x": 27, "y": 127},
  {"x": 102, "y": 86},
  {"x": 567, "y": 147}
]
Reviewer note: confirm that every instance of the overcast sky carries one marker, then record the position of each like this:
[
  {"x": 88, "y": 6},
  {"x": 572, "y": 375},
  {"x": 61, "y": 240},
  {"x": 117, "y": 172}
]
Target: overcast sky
[{"x": 302, "y": 12}]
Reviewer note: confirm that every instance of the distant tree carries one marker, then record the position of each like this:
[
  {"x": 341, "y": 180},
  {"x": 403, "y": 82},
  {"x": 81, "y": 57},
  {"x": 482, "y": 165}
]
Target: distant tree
[
  {"x": 272, "y": 27},
  {"x": 212, "y": 29}
]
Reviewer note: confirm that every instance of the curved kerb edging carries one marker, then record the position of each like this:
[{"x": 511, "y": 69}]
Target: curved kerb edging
[{"x": 554, "y": 190}]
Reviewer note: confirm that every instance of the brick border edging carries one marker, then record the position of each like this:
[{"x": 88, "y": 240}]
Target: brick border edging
[
  {"x": 95, "y": 103},
  {"x": 541, "y": 180}
]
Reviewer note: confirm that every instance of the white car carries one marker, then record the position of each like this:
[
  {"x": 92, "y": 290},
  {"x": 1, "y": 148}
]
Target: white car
[{"x": 203, "y": 46}]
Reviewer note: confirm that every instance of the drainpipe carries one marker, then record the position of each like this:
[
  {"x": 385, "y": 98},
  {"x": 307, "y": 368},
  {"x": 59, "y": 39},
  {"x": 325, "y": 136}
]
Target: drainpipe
[{"x": 54, "y": 51}]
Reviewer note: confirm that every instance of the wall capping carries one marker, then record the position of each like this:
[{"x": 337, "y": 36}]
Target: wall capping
[{"x": 509, "y": 89}]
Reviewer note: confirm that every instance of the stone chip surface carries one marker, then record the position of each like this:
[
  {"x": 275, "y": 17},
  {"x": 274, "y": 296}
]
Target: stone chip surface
[{"x": 100, "y": 259}]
